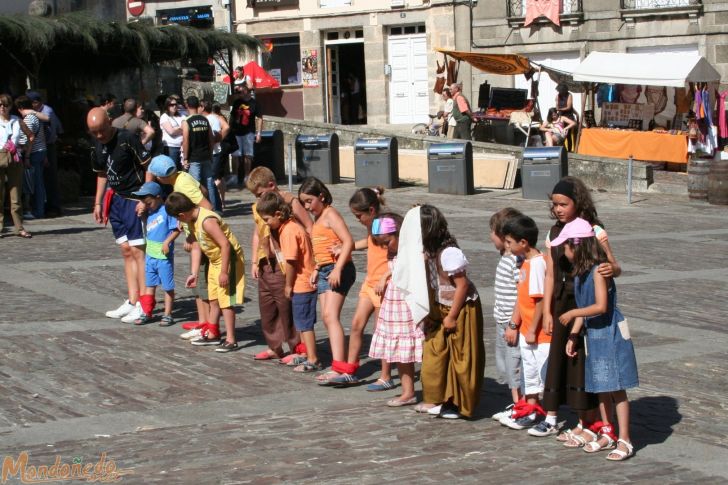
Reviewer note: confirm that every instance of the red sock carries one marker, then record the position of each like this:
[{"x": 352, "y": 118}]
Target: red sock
[
  {"x": 300, "y": 348},
  {"x": 147, "y": 302}
]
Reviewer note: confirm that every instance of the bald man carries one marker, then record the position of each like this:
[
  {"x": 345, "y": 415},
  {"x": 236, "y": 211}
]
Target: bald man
[
  {"x": 120, "y": 164},
  {"x": 461, "y": 112}
]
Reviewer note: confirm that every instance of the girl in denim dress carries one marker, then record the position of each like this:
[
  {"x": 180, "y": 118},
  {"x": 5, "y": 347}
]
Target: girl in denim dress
[{"x": 610, "y": 366}]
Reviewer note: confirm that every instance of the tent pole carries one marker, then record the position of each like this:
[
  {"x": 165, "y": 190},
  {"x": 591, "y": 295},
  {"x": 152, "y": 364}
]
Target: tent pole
[{"x": 581, "y": 121}]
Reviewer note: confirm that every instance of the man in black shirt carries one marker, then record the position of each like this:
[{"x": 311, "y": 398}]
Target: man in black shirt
[
  {"x": 197, "y": 143},
  {"x": 246, "y": 122},
  {"x": 120, "y": 163}
]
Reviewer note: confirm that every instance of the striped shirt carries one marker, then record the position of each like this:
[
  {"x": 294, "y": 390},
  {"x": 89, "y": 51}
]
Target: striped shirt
[
  {"x": 33, "y": 124},
  {"x": 506, "y": 291}
]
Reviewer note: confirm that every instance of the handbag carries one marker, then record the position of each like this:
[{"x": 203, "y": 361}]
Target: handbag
[{"x": 229, "y": 145}]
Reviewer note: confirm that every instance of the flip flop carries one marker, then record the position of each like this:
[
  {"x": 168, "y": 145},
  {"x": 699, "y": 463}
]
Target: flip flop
[
  {"x": 324, "y": 379},
  {"x": 265, "y": 355},
  {"x": 381, "y": 385},
  {"x": 395, "y": 403},
  {"x": 423, "y": 407}
]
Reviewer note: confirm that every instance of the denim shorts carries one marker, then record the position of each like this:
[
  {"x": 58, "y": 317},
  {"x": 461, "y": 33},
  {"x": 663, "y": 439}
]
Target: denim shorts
[
  {"x": 304, "y": 310},
  {"x": 159, "y": 272},
  {"x": 246, "y": 145},
  {"x": 348, "y": 277}
]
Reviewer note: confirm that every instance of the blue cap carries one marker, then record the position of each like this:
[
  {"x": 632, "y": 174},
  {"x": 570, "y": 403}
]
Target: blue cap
[
  {"x": 162, "y": 166},
  {"x": 34, "y": 96},
  {"x": 149, "y": 188}
]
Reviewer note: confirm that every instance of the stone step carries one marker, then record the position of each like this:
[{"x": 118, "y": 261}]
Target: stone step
[{"x": 675, "y": 183}]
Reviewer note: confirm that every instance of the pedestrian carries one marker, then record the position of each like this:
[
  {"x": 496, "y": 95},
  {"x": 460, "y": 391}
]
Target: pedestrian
[
  {"x": 171, "y": 123},
  {"x": 461, "y": 113},
  {"x": 397, "y": 337},
  {"x": 197, "y": 144},
  {"x": 335, "y": 273},
  {"x": 448, "y": 120},
  {"x": 246, "y": 122},
  {"x": 611, "y": 367},
  {"x": 11, "y": 165},
  {"x": 226, "y": 276},
  {"x": 120, "y": 164},
  {"x": 521, "y": 237},
  {"x": 220, "y": 129},
  {"x": 130, "y": 121},
  {"x": 275, "y": 308},
  {"x": 53, "y": 129},
  {"x": 297, "y": 256},
  {"x": 107, "y": 102},
  {"x": 36, "y": 159},
  {"x": 507, "y": 357},
  {"x": 161, "y": 232},
  {"x": 366, "y": 204},
  {"x": 453, "y": 354},
  {"x": 564, "y": 383}
]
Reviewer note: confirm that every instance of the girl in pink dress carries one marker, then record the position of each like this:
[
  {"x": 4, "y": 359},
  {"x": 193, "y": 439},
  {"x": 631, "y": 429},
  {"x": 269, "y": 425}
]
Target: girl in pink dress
[{"x": 397, "y": 339}]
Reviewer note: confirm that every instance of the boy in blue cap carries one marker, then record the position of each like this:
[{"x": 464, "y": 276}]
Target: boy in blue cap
[{"x": 162, "y": 230}]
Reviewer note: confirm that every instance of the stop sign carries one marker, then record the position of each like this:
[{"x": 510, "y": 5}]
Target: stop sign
[{"x": 136, "y": 7}]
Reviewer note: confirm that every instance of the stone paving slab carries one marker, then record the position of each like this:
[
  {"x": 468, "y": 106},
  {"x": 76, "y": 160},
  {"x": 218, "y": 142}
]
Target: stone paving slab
[{"x": 75, "y": 384}]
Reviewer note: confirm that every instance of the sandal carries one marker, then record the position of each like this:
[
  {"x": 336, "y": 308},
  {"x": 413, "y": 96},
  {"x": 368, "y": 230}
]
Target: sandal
[
  {"x": 569, "y": 433},
  {"x": 344, "y": 380},
  {"x": 166, "y": 321},
  {"x": 265, "y": 355},
  {"x": 620, "y": 454},
  {"x": 605, "y": 432},
  {"x": 396, "y": 402},
  {"x": 324, "y": 378},
  {"x": 307, "y": 366},
  {"x": 582, "y": 439},
  {"x": 381, "y": 385},
  {"x": 423, "y": 407},
  {"x": 24, "y": 234},
  {"x": 292, "y": 360}
]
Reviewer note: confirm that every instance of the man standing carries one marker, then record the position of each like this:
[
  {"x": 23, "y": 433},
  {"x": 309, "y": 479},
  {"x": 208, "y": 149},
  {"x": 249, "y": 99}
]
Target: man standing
[
  {"x": 130, "y": 122},
  {"x": 197, "y": 143},
  {"x": 461, "y": 112},
  {"x": 246, "y": 122},
  {"x": 121, "y": 162},
  {"x": 52, "y": 129}
]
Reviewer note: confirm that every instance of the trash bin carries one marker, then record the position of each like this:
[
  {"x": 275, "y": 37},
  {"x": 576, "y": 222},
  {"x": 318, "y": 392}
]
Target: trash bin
[
  {"x": 450, "y": 168},
  {"x": 376, "y": 162},
  {"x": 318, "y": 156},
  {"x": 541, "y": 169},
  {"x": 269, "y": 153}
]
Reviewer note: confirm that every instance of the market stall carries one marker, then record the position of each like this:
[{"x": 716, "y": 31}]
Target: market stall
[{"x": 622, "y": 130}]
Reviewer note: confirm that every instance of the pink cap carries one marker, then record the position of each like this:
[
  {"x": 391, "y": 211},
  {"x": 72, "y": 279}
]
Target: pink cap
[{"x": 576, "y": 229}]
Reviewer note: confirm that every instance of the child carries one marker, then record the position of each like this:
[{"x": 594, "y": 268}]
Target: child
[
  {"x": 521, "y": 235},
  {"x": 226, "y": 276},
  {"x": 397, "y": 338},
  {"x": 334, "y": 274},
  {"x": 453, "y": 355},
  {"x": 165, "y": 170},
  {"x": 507, "y": 357},
  {"x": 161, "y": 232},
  {"x": 611, "y": 366},
  {"x": 565, "y": 377},
  {"x": 366, "y": 204},
  {"x": 275, "y": 307},
  {"x": 299, "y": 266}
]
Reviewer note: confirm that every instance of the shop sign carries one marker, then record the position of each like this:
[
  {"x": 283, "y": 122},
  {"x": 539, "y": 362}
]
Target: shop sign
[{"x": 274, "y": 3}]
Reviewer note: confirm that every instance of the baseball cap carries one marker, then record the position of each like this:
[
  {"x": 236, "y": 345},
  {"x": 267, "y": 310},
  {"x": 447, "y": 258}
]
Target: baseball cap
[
  {"x": 34, "y": 95},
  {"x": 149, "y": 188},
  {"x": 576, "y": 229},
  {"x": 162, "y": 166}
]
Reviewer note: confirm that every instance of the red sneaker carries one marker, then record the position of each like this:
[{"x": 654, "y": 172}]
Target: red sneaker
[{"x": 193, "y": 325}]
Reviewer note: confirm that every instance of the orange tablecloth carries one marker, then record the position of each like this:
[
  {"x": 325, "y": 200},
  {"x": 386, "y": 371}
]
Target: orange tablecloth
[{"x": 642, "y": 145}]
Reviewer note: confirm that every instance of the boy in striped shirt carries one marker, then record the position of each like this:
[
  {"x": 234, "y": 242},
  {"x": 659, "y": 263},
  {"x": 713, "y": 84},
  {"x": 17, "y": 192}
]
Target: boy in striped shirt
[{"x": 507, "y": 357}]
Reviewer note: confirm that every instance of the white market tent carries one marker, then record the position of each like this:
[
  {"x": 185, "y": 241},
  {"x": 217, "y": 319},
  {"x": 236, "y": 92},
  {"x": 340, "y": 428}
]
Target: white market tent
[{"x": 667, "y": 69}]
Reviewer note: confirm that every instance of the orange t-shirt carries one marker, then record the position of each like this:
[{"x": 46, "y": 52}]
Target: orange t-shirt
[
  {"x": 324, "y": 240},
  {"x": 296, "y": 249},
  {"x": 376, "y": 263},
  {"x": 530, "y": 291}
]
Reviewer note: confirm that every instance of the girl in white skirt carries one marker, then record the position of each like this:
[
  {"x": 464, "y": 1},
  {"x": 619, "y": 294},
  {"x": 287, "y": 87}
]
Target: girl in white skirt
[{"x": 397, "y": 339}]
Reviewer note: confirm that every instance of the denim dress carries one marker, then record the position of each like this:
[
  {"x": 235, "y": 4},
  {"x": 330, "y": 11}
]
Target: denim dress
[{"x": 610, "y": 361}]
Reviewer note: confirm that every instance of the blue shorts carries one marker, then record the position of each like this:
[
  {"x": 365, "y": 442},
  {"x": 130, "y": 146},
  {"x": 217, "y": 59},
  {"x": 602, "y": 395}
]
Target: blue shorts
[
  {"x": 125, "y": 224},
  {"x": 304, "y": 310},
  {"x": 348, "y": 277},
  {"x": 246, "y": 145},
  {"x": 159, "y": 272}
]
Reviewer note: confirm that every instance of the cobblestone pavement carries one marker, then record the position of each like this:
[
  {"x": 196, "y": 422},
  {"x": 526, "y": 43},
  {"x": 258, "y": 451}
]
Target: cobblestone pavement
[{"x": 75, "y": 384}]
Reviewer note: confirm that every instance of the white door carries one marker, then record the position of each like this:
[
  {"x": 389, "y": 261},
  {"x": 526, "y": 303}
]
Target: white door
[
  {"x": 563, "y": 61},
  {"x": 408, "y": 94}
]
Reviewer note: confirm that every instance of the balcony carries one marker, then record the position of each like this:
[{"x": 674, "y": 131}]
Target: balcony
[
  {"x": 631, "y": 10},
  {"x": 571, "y": 13}
]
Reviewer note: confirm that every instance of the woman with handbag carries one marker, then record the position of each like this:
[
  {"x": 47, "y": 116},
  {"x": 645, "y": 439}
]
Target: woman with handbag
[{"x": 11, "y": 168}]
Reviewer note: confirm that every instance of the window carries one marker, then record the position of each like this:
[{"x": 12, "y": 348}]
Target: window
[
  {"x": 283, "y": 59},
  {"x": 643, "y": 4},
  {"x": 335, "y": 3},
  {"x": 517, "y": 8}
]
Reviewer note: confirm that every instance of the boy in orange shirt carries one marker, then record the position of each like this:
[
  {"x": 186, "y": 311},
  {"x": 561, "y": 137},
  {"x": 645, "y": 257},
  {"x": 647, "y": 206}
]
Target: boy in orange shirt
[
  {"x": 521, "y": 235},
  {"x": 296, "y": 250}
]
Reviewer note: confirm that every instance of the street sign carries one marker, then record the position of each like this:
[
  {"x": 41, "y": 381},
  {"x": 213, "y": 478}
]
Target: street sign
[{"x": 136, "y": 7}]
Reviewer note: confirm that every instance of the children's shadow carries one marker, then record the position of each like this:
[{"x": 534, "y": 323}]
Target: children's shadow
[{"x": 652, "y": 419}]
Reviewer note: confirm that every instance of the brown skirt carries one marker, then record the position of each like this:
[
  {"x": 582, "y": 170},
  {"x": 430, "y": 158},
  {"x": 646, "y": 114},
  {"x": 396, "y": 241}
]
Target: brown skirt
[{"x": 453, "y": 363}]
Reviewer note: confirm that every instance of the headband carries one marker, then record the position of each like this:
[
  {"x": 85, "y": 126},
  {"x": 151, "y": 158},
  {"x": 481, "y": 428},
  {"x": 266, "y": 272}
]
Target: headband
[
  {"x": 384, "y": 225},
  {"x": 564, "y": 187}
]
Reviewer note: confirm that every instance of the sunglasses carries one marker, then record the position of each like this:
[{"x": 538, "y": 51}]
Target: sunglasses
[
  {"x": 3, "y": 105},
  {"x": 172, "y": 104}
]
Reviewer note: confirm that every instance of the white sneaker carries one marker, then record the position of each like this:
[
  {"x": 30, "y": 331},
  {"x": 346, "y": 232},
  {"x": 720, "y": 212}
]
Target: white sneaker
[
  {"x": 506, "y": 412},
  {"x": 192, "y": 334},
  {"x": 122, "y": 311},
  {"x": 135, "y": 313}
]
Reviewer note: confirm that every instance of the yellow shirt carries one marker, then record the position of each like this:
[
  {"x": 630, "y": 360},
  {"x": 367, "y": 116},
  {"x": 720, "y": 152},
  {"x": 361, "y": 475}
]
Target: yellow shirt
[
  {"x": 209, "y": 245},
  {"x": 187, "y": 185}
]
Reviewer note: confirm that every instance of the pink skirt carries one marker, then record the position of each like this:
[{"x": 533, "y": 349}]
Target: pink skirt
[{"x": 397, "y": 338}]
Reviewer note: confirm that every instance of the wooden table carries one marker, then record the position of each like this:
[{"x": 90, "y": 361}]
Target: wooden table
[{"x": 642, "y": 145}]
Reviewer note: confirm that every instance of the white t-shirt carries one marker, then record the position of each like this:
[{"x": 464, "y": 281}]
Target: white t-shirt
[
  {"x": 448, "y": 111},
  {"x": 174, "y": 121},
  {"x": 216, "y": 128},
  {"x": 10, "y": 130}
]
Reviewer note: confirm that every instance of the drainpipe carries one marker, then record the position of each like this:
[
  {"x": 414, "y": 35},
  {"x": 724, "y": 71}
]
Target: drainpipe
[{"x": 231, "y": 27}]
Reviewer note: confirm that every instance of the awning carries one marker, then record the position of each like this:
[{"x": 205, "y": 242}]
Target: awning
[
  {"x": 667, "y": 69},
  {"x": 506, "y": 64}
]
